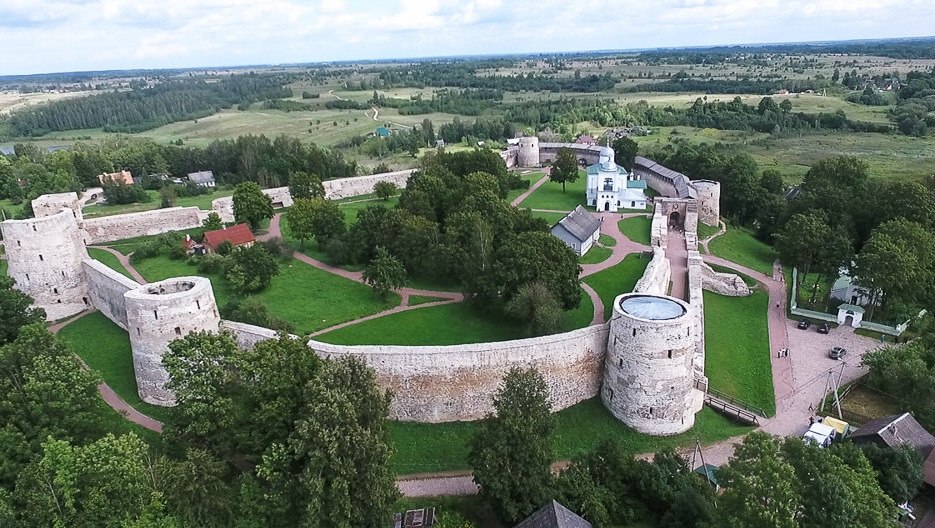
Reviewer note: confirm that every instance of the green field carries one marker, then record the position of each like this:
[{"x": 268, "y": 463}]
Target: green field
[
  {"x": 309, "y": 298},
  {"x": 550, "y": 195},
  {"x": 596, "y": 255},
  {"x": 109, "y": 260},
  {"x": 105, "y": 347},
  {"x": 738, "y": 245},
  {"x": 352, "y": 208},
  {"x": 621, "y": 278},
  {"x": 637, "y": 228},
  {"x": 449, "y": 324},
  {"x": 737, "y": 360},
  {"x": 422, "y": 447}
]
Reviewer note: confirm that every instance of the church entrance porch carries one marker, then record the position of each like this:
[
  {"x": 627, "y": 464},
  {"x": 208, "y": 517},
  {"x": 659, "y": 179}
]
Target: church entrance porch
[{"x": 607, "y": 206}]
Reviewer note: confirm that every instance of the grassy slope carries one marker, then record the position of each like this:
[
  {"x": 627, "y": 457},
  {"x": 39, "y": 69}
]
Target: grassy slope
[
  {"x": 704, "y": 230},
  {"x": 638, "y": 229},
  {"x": 108, "y": 260},
  {"x": 550, "y": 195},
  {"x": 738, "y": 245},
  {"x": 737, "y": 348},
  {"x": 309, "y": 298},
  {"x": 616, "y": 280},
  {"x": 449, "y": 324},
  {"x": 105, "y": 347},
  {"x": 439, "y": 447}
]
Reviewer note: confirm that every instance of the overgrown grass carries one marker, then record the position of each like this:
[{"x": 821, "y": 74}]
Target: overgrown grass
[
  {"x": 422, "y": 448},
  {"x": 705, "y": 231},
  {"x": 738, "y": 245},
  {"x": 105, "y": 347},
  {"x": 550, "y": 195},
  {"x": 596, "y": 255},
  {"x": 637, "y": 228},
  {"x": 618, "y": 279},
  {"x": 108, "y": 259},
  {"x": 737, "y": 360}
]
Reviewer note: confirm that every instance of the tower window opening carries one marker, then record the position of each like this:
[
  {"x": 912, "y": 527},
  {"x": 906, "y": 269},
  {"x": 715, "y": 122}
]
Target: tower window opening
[
  {"x": 40, "y": 258},
  {"x": 63, "y": 274},
  {"x": 55, "y": 290},
  {"x": 34, "y": 227},
  {"x": 198, "y": 304},
  {"x": 650, "y": 411},
  {"x": 156, "y": 314},
  {"x": 138, "y": 331},
  {"x": 634, "y": 332},
  {"x": 27, "y": 277},
  {"x": 178, "y": 331},
  {"x": 621, "y": 362},
  {"x": 670, "y": 354},
  {"x": 19, "y": 243}
]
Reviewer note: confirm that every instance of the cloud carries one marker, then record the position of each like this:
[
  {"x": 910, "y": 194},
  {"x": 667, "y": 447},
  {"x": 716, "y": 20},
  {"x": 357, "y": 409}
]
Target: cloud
[{"x": 58, "y": 35}]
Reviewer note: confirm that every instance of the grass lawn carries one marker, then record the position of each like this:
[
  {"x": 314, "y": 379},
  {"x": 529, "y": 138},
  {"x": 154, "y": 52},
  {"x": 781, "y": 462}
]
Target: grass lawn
[
  {"x": 3, "y": 267},
  {"x": 550, "y": 195},
  {"x": 637, "y": 228},
  {"x": 531, "y": 178},
  {"x": 608, "y": 241},
  {"x": 595, "y": 255},
  {"x": 737, "y": 349},
  {"x": 738, "y": 245},
  {"x": 351, "y": 209},
  {"x": 704, "y": 230},
  {"x": 309, "y": 298},
  {"x": 550, "y": 218},
  {"x": 129, "y": 245},
  {"x": 105, "y": 347},
  {"x": 616, "y": 280},
  {"x": 415, "y": 300},
  {"x": 422, "y": 448},
  {"x": 108, "y": 260},
  {"x": 449, "y": 324}
]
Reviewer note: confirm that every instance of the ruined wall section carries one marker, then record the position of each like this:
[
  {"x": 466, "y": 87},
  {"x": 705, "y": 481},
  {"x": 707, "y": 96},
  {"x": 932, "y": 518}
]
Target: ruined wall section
[
  {"x": 108, "y": 289},
  {"x": 709, "y": 200},
  {"x": 50, "y": 204},
  {"x": 359, "y": 185},
  {"x": 247, "y": 335},
  {"x": 659, "y": 228},
  {"x": 159, "y": 313},
  {"x": 648, "y": 371},
  {"x": 658, "y": 274},
  {"x": 44, "y": 257},
  {"x": 729, "y": 284},
  {"x": 451, "y": 383},
  {"x": 147, "y": 223}
]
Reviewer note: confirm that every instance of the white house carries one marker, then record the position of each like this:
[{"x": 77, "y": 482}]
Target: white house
[
  {"x": 610, "y": 188},
  {"x": 845, "y": 290},
  {"x": 579, "y": 230},
  {"x": 202, "y": 179}
]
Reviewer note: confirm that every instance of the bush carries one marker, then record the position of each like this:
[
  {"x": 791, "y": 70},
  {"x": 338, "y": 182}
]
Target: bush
[
  {"x": 148, "y": 250},
  {"x": 118, "y": 193},
  {"x": 177, "y": 252},
  {"x": 337, "y": 251},
  {"x": 212, "y": 263},
  {"x": 252, "y": 311},
  {"x": 224, "y": 248},
  {"x": 278, "y": 248}
]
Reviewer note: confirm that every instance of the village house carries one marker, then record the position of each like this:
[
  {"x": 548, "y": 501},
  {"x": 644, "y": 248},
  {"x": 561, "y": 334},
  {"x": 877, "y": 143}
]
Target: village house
[
  {"x": 579, "y": 230},
  {"x": 553, "y": 515},
  {"x": 238, "y": 235},
  {"x": 123, "y": 178},
  {"x": 202, "y": 178}
]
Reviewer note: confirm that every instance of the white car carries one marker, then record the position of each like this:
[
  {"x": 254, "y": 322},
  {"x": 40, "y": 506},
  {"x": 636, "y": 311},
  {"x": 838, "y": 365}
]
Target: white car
[{"x": 820, "y": 434}]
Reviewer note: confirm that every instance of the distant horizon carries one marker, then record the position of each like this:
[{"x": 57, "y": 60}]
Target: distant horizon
[
  {"x": 583, "y": 52},
  {"x": 56, "y": 36}
]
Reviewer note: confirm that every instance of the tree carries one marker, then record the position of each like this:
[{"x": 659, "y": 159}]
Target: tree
[
  {"x": 565, "y": 168},
  {"x": 300, "y": 219},
  {"x": 251, "y": 269},
  {"x": 534, "y": 256},
  {"x": 16, "y": 310},
  {"x": 385, "y": 273},
  {"x": 305, "y": 185},
  {"x": 384, "y": 190},
  {"x": 625, "y": 150},
  {"x": 537, "y": 307},
  {"x": 335, "y": 464},
  {"x": 212, "y": 222},
  {"x": 167, "y": 196},
  {"x": 898, "y": 470},
  {"x": 511, "y": 452},
  {"x": 251, "y": 205},
  {"x": 197, "y": 490},
  {"x": 800, "y": 241}
]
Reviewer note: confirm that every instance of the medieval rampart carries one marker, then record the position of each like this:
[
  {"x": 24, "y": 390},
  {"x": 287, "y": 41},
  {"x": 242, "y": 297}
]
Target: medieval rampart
[
  {"x": 50, "y": 204},
  {"x": 359, "y": 185},
  {"x": 247, "y": 335},
  {"x": 657, "y": 275},
  {"x": 107, "y": 289},
  {"x": 452, "y": 383},
  {"x": 147, "y": 223}
]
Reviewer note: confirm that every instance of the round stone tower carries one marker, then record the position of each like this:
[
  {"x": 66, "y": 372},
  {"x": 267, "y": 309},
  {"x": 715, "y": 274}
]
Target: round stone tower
[
  {"x": 44, "y": 257},
  {"x": 709, "y": 199},
  {"x": 648, "y": 380},
  {"x": 528, "y": 155},
  {"x": 159, "y": 313}
]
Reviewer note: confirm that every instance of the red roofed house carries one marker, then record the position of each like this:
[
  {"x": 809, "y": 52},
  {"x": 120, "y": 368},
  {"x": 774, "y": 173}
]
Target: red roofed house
[
  {"x": 237, "y": 235},
  {"x": 585, "y": 139},
  {"x": 122, "y": 177}
]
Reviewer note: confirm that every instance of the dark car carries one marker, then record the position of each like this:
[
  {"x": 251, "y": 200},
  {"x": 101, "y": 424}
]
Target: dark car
[
  {"x": 824, "y": 328},
  {"x": 837, "y": 353},
  {"x": 804, "y": 324}
]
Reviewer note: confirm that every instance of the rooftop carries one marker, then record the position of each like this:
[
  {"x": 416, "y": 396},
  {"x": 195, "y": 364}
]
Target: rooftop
[
  {"x": 652, "y": 308},
  {"x": 580, "y": 223},
  {"x": 895, "y": 430},
  {"x": 237, "y": 235},
  {"x": 554, "y": 515}
]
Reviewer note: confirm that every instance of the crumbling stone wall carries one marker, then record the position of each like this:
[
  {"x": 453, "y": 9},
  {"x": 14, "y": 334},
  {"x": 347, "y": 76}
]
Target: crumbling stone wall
[
  {"x": 452, "y": 383},
  {"x": 147, "y": 223},
  {"x": 359, "y": 185},
  {"x": 44, "y": 257},
  {"x": 50, "y": 204},
  {"x": 159, "y": 313},
  {"x": 108, "y": 289},
  {"x": 658, "y": 274},
  {"x": 709, "y": 200},
  {"x": 648, "y": 373},
  {"x": 247, "y": 335}
]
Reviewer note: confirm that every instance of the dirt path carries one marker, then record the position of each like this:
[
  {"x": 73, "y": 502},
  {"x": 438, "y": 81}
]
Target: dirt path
[
  {"x": 677, "y": 254},
  {"x": 721, "y": 231},
  {"x": 532, "y": 188},
  {"x": 376, "y": 112},
  {"x": 107, "y": 394},
  {"x": 125, "y": 262},
  {"x": 598, "y": 304}
]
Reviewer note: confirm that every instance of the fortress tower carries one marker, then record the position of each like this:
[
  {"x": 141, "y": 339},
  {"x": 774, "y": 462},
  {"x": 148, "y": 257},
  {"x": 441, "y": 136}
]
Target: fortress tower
[
  {"x": 157, "y": 314},
  {"x": 648, "y": 378},
  {"x": 528, "y": 155},
  {"x": 709, "y": 198},
  {"x": 44, "y": 256}
]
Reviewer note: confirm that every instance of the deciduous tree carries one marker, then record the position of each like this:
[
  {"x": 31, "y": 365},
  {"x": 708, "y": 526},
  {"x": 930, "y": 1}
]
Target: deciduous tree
[
  {"x": 565, "y": 168},
  {"x": 305, "y": 185},
  {"x": 251, "y": 205},
  {"x": 385, "y": 273},
  {"x": 251, "y": 268},
  {"x": 384, "y": 190}
]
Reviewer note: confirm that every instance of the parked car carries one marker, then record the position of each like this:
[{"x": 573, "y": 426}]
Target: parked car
[
  {"x": 824, "y": 328},
  {"x": 804, "y": 324},
  {"x": 837, "y": 353}
]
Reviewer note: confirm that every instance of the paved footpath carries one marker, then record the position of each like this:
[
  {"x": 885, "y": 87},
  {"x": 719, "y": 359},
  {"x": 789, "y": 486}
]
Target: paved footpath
[{"x": 125, "y": 262}]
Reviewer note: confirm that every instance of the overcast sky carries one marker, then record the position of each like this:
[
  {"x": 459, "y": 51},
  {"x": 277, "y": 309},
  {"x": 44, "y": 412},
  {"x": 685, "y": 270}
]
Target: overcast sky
[{"x": 72, "y": 35}]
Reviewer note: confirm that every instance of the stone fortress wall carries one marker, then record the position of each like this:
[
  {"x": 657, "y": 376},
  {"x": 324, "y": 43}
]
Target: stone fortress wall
[
  {"x": 146, "y": 223},
  {"x": 108, "y": 290}
]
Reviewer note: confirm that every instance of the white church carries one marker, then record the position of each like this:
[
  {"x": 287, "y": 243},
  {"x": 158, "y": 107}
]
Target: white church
[{"x": 610, "y": 187}]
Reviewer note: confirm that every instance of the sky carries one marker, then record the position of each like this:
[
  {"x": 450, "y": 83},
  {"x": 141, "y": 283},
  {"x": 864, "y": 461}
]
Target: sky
[{"x": 42, "y": 36}]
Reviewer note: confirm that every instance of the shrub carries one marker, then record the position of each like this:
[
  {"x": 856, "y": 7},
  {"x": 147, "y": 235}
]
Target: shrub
[
  {"x": 278, "y": 248},
  {"x": 212, "y": 263},
  {"x": 252, "y": 311}
]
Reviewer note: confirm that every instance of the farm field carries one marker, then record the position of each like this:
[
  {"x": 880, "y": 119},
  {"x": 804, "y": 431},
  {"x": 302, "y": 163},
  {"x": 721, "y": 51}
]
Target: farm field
[
  {"x": 422, "y": 447},
  {"x": 737, "y": 360},
  {"x": 621, "y": 278}
]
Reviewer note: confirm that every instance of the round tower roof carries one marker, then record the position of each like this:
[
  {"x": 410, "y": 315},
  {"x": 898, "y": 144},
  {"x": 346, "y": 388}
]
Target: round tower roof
[{"x": 651, "y": 307}]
